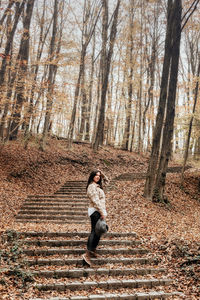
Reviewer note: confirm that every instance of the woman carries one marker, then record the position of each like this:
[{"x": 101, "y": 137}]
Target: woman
[{"x": 96, "y": 210}]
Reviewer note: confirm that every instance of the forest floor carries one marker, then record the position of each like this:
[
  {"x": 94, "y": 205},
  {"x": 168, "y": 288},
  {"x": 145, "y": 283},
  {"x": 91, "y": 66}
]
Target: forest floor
[{"x": 171, "y": 231}]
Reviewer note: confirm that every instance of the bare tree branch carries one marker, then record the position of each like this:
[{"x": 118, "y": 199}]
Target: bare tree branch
[{"x": 197, "y": 2}]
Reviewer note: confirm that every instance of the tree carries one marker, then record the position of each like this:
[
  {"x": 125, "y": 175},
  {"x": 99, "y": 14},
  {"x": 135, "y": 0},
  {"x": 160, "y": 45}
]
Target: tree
[
  {"x": 196, "y": 91},
  {"x": 29, "y": 113},
  {"x": 22, "y": 59},
  {"x": 154, "y": 187},
  {"x": 171, "y": 98},
  {"x": 87, "y": 33},
  {"x": 10, "y": 36},
  {"x": 127, "y": 131},
  {"x": 105, "y": 66},
  {"x": 51, "y": 76},
  {"x": 152, "y": 167},
  {"x": 151, "y": 42}
]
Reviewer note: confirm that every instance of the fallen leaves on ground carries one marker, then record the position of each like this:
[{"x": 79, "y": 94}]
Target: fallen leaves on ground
[{"x": 170, "y": 231}]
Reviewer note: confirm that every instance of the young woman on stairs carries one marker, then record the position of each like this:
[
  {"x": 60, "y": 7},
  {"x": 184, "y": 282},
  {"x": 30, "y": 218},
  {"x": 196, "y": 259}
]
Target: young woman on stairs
[{"x": 96, "y": 210}]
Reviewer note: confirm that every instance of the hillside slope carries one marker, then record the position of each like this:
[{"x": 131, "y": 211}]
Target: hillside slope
[
  {"x": 171, "y": 231},
  {"x": 25, "y": 172}
]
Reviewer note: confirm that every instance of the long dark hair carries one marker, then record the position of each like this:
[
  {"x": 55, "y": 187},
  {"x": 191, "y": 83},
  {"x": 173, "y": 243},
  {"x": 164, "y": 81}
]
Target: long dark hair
[{"x": 91, "y": 177}]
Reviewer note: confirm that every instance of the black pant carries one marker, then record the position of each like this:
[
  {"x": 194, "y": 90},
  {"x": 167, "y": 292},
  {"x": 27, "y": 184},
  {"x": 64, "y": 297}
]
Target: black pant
[{"x": 93, "y": 239}]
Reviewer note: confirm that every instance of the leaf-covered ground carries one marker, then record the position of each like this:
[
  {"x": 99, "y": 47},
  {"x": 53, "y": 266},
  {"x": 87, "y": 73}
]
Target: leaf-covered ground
[{"x": 170, "y": 231}]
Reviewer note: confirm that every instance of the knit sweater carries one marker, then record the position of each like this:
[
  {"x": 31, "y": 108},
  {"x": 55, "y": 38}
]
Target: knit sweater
[{"x": 97, "y": 198}]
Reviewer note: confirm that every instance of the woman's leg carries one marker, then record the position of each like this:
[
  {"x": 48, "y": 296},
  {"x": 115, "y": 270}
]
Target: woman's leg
[{"x": 93, "y": 239}]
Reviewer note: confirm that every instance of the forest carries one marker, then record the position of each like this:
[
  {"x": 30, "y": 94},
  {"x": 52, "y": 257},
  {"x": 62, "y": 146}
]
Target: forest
[
  {"x": 118, "y": 73},
  {"x": 107, "y": 84}
]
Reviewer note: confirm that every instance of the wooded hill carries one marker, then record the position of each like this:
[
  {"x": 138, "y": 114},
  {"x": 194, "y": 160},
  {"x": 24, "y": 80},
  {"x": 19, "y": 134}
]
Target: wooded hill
[
  {"x": 121, "y": 73},
  {"x": 121, "y": 79},
  {"x": 171, "y": 231}
]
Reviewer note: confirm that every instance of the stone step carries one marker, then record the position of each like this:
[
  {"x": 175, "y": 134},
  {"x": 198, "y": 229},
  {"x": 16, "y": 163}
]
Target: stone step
[
  {"x": 124, "y": 296},
  {"x": 82, "y": 184},
  {"x": 57, "y": 200},
  {"x": 77, "y": 273},
  {"x": 69, "y": 199},
  {"x": 56, "y": 203},
  {"x": 74, "y": 189},
  {"x": 81, "y": 191},
  {"x": 68, "y": 207},
  {"x": 54, "y": 196},
  {"x": 60, "y": 251},
  {"x": 108, "y": 284},
  {"x": 69, "y": 183},
  {"x": 60, "y": 243},
  {"x": 53, "y": 212},
  {"x": 50, "y": 221},
  {"x": 46, "y": 217},
  {"x": 79, "y": 261},
  {"x": 82, "y": 234},
  {"x": 71, "y": 193},
  {"x": 76, "y": 182}
]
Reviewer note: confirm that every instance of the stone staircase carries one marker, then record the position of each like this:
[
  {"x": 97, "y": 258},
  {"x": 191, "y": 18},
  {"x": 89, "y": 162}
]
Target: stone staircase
[
  {"x": 67, "y": 205},
  {"x": 124, "y": 270}
]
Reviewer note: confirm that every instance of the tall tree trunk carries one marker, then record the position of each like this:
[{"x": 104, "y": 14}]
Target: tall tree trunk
[
  {"x": 7, "y": 106},
  {"x": 127, "y": 131},
  {"x": 9, "y": 42},
  {"x": 151, "y": 69},
  {"x": 96, "y": 106},
  {"x": 6, "y": 12},
  {"x": 83, "y": 107},
  {"x": 105, "y": 67},
  {"x": 171, "y": 99},
  {"x": 87, "y": 133},
  {"x": 153, "y": 161},
  {"x": 196, "y": 91},
  {"x": 88, "y": 33},
  {"x": 52, "y": 69},
  {"x": 141, "y": 82},
  {"x": 22, "y": 59},
  {"x": 35, "y": 69},
  {"x": 73, "y": 115},
  {"x": 133, "y": 128}
]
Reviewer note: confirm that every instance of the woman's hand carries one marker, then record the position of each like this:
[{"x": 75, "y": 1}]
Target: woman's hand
[{"x": 104, "y": 177}]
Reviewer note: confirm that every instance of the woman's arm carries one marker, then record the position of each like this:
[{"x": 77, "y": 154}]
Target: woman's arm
[{"x": 104, "y": 177}]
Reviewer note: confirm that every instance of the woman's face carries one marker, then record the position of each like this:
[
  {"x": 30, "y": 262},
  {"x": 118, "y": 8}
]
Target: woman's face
[{"x": 97, "y": 177}]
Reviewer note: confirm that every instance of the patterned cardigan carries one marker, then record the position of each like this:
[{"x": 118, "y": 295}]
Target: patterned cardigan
[{"x": 97, "y": 198}]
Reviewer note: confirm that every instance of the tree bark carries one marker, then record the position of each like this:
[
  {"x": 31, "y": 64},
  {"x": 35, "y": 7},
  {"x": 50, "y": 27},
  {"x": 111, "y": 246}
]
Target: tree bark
[
  {"x": 127, "y": 131},
  {"x": 87, "y": 129},
  {"x": 9, "y": 42},
  {"x": 6, "y": 12},
  {"x": 85, "y": 42},
  {"x": 105, "y": 67},
  {"x": 196, "y": 91},
  {"x": 51, "y": 78},
  {"x": 152, "y": 167},
  {"x": 151, "y": 60},
  {"x": 22, "y": 59},
  {"x": 170, "y": 113},
  {"x": 35, "y": 69}
]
